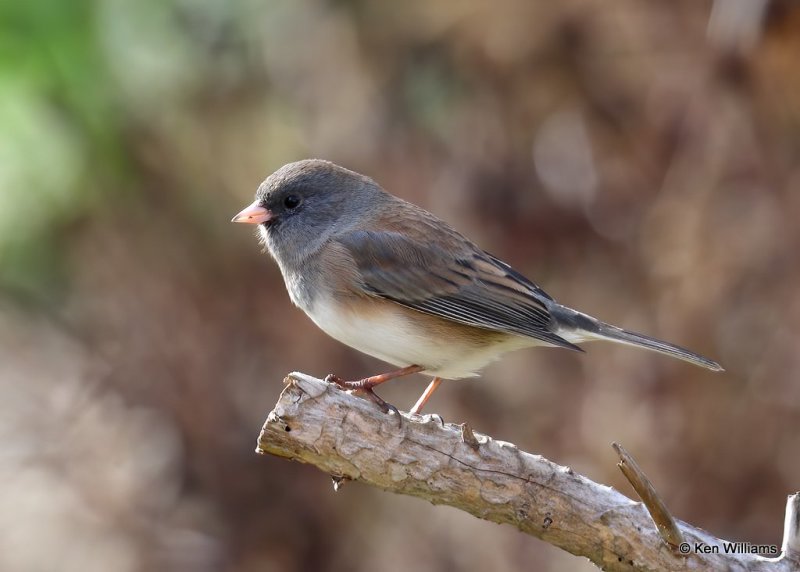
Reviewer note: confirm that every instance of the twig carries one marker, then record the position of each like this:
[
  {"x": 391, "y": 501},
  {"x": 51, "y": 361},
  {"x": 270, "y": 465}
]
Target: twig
[
  {"x": 791, "y": 530},
  {"x": 352, "y": 439},
  {"x": 663, "y": 520}
]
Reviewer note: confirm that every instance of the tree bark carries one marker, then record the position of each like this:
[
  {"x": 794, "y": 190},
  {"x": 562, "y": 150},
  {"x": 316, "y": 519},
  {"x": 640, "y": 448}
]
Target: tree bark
[{"x": 351, "y": 439}]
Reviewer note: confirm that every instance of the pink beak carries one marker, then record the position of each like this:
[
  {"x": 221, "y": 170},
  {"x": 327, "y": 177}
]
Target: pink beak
[{"x": 253, "y": 214}]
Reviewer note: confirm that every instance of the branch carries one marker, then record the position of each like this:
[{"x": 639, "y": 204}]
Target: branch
[{"x": 351, "y": 439}]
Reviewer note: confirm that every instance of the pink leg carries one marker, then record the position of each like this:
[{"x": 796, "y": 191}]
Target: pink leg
[
  {"x": 365, "y": 385},
  {"x": 426, "y": 395}
]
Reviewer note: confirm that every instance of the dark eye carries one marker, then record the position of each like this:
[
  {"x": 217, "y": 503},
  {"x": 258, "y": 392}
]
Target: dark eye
[{"x": 291, "y": 201}]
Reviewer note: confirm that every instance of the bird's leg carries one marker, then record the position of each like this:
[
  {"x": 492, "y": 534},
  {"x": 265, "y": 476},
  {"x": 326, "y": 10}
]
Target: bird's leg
[
  {"x": 426, "y": 395},
  {"x": 364, "y": 386}
]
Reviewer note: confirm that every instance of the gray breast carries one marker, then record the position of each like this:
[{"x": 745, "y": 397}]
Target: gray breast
[
  {"x": 298, "y": 275},
  {"x": 302, "y": 289}
]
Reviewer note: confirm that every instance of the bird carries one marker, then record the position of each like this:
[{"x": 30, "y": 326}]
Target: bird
[{"x": 391, "y": 280}]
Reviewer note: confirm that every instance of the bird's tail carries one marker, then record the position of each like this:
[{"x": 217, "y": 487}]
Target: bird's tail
[{"x": 576, "y": 327}]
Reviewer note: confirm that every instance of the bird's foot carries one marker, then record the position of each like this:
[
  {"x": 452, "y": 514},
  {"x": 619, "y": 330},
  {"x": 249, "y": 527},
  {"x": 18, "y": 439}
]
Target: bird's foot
[{"x": 363, "y": 387}]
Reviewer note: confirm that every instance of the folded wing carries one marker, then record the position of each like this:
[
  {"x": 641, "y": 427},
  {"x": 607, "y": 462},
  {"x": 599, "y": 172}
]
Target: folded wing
[{"x": 451, "y": 279}]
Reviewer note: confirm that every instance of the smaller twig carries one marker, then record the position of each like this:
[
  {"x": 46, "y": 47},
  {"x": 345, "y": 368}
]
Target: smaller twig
[
  {"x": 468, "y": 437},
  {"x": 338, "y": 482},
  {"x": 665, "y": 523},
  {"x": 791, "y": 529}
]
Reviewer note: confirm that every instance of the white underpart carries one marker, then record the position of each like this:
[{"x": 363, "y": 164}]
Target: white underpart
[{"x": 396, "y": 338}]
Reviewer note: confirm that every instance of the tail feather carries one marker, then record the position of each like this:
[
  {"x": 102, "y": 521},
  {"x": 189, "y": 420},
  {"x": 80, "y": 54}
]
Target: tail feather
[{"x": 575, "y": 326}]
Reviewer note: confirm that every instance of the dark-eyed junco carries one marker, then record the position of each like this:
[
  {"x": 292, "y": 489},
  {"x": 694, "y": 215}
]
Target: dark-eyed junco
[{"x": 391, "y": 280}]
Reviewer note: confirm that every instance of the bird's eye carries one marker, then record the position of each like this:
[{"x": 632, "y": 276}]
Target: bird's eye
[{"x": 291, "y": 201}]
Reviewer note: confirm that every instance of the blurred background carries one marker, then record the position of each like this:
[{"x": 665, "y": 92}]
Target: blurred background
[{"x": 639, "y": 160}]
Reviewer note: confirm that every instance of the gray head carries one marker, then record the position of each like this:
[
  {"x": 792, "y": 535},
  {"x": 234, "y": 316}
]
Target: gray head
[{"x": 299, "y": 206}]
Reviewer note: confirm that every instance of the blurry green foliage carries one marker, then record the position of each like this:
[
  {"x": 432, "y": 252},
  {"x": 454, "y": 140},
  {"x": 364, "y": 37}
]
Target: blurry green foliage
[{"x": 58, "y": 132}]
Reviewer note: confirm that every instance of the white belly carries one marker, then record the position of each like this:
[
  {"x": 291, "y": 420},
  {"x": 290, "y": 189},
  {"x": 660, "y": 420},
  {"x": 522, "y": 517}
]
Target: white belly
[{"x": 394, "y": 336}]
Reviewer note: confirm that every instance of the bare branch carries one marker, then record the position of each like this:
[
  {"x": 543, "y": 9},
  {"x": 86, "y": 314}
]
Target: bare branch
[{"x": 351, "y": 439}]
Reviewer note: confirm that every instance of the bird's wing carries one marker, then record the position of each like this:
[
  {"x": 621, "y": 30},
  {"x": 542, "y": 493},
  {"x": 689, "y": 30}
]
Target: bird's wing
[{"x": 453, "y": 279}]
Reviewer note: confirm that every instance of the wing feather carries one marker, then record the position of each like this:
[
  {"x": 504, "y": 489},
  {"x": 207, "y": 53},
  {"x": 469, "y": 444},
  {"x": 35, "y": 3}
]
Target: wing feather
[{"x": 463, "y": 284}]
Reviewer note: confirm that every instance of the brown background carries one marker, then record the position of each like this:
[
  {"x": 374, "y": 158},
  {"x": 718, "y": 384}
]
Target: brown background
[{"x": 639, "y": 160}]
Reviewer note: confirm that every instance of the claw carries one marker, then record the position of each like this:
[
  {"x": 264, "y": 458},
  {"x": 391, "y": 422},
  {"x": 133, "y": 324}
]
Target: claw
[
  {"x": 333, "y": 378},
  {"x": 363, "y": 387},
  {"x": 385, "y": 406}
]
